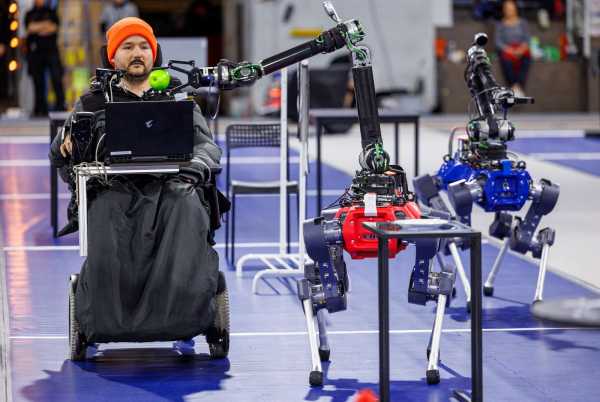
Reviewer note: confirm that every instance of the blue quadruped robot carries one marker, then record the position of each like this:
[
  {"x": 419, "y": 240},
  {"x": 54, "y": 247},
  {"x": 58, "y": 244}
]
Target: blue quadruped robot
[{"x": 483, "y": 171}]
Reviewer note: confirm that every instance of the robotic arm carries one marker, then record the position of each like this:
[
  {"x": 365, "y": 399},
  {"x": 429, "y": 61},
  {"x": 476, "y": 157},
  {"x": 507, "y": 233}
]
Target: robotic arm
[
  {"x": 228, "y": 75},
  {"x": 479, "y": 78},
  {"x": 491, "y": 99}
]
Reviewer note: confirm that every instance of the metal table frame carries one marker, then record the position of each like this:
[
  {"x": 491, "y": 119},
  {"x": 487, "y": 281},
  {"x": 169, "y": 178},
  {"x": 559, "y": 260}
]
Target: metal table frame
[
  {"x": 84, "y": 174},
  {"x": 329, "y": 116},
  {"x": 404, "y": 230}
]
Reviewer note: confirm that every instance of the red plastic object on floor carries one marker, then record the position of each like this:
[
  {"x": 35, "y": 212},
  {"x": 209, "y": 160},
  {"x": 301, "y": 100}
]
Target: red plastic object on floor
[{"x": 366, "y": 395}]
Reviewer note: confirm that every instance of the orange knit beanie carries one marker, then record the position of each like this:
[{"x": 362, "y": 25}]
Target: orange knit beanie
[{"x": 125, "y": 28}]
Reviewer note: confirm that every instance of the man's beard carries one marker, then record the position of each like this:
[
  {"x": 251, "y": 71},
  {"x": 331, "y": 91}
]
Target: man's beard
[{"x": 138, "y": 76}]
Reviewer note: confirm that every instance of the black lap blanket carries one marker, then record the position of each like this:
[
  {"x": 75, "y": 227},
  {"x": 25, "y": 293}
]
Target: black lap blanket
[{"x": 151, "y": 274}]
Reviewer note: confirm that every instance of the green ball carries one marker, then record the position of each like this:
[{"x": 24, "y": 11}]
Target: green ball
[{"x": 159, "y": 79}]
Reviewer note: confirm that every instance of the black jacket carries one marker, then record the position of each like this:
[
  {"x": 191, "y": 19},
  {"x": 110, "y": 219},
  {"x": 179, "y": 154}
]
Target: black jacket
[
  {"x": 37, "y": 44},
  {"x": 206, "y": 154}
]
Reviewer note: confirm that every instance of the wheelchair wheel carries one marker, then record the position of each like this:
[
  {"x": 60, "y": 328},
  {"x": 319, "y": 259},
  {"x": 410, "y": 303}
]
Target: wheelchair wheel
[
  {"x": 218, "y": 336},
  {"x": 77, "y": 344}
]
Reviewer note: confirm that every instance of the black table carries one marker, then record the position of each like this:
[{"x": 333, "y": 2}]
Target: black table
[
  {"x": 57, "y": 120},
  {"x": 410, "y": 230},
  {"x": 321, "y": 117}
]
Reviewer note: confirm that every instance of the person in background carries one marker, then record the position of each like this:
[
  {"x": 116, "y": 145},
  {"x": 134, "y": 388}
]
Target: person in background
[
  {"x": 116, "y": 10},
  {"x": 41, "y": 24},
  {"x": 512, "y": 45}
]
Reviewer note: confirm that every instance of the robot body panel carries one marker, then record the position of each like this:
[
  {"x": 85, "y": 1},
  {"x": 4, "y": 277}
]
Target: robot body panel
[
  {"x": 503, "y": 190},
  {"x": 358, "y": 241}
]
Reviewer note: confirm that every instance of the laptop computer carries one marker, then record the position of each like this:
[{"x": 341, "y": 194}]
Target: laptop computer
[{"x": 151, "y": 131}]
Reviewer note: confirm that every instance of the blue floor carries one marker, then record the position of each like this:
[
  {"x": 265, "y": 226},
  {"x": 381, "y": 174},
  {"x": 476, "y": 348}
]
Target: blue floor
[
  {"x": 524, "y": 359},
  {"x": 545, "y": 145}
]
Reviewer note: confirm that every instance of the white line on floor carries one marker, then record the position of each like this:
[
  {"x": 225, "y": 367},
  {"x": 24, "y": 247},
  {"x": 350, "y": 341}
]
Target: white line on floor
[
  {"x": 557, "y": 156},
  {"x": 76, "y": 248},
  {"x": 410, "y": 331},
  {"x": 45, "y": 337},
  {"x": 29, "y": 139},
  {"x": 31, "y": 196},
  {"x": 41, "y": 248},
  {"x": 358, "y": 332},
  {"x": 24, "y": 162}
]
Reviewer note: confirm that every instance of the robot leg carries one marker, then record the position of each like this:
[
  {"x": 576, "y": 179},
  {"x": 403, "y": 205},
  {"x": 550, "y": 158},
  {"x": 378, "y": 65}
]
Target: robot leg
[
  {"x": 544, "y": 196},
  {"x": 323, "y": 287},
  {"x": 500, "y": 229},
  {"x": 440, "y": 286}
]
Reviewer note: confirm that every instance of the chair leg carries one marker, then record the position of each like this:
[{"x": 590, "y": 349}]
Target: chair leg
[
  {"x": 287, "y": 226},
  {"x": 298, "y": 214},
  {"x": 233, "y": 230}
]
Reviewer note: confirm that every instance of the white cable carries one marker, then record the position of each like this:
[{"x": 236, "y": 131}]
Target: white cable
[
  {"x": 110, "y": 84},
  {"x": 98, "y": 145}
]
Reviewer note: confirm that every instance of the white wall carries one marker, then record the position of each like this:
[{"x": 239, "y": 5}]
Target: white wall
[
  {"x": 400, "y": 34},
  {"x": 442, "y": 13},
  {"x": 184, "y": 49}
]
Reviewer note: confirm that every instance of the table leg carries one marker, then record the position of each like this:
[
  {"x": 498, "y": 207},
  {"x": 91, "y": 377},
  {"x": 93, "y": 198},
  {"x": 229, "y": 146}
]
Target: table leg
[
  {"x": 476, "y": 321},
  {"x": 384, "y": 321},
  {"x": 476, "y": 328}
]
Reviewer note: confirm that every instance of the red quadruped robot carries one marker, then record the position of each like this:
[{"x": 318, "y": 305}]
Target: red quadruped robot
[{"x": 379, "y": 193}]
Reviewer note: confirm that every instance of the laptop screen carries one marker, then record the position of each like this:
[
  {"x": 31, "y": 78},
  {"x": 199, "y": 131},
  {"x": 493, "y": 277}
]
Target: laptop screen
[{"x": 149, "y": 131}]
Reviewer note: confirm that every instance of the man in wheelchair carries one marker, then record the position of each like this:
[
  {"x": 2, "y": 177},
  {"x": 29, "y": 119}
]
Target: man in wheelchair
[{"x": 151, "y": 273}]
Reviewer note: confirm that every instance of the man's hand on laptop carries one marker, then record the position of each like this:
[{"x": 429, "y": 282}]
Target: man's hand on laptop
[{"x": 66, "y": 148}]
